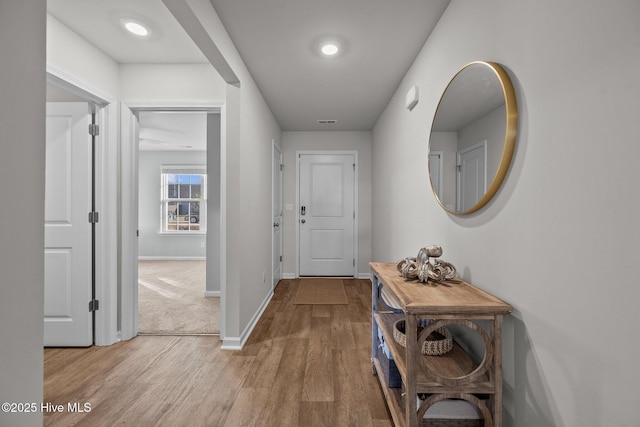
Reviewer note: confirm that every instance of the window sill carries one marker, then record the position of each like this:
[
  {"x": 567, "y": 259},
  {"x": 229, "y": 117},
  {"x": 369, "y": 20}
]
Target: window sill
[{"x": 182, "y": 233}]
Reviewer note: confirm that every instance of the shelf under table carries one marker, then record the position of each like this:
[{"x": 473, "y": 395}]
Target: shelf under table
[{"x": 454, "y": 364}]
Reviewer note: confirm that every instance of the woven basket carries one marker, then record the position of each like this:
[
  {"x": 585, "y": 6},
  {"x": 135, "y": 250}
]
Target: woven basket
[{"x": 438, "y": 343}]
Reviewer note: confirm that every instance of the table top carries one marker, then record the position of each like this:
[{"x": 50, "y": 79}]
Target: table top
[{"x": 451, "y": 297}]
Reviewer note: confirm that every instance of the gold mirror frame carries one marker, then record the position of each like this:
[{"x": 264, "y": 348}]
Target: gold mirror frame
[{"x": 511, "y": 130}]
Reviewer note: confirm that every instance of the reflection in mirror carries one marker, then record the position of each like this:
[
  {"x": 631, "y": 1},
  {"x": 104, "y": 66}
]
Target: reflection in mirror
[{"x": 473, "y": 137}]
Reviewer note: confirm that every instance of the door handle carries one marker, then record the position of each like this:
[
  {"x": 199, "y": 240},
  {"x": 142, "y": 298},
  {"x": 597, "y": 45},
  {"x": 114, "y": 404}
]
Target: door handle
[
  {"x": 303, "y": 210},
  {"x": 303, "y": 221},
  {"x": 276, "y": 224}
]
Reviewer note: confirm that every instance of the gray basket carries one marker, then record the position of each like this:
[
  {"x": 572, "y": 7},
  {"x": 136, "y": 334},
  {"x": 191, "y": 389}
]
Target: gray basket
[{"x": 389, "y": 369}]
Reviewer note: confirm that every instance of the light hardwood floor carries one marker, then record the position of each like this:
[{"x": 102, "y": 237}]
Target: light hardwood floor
[{"x": 304, "y": 365}]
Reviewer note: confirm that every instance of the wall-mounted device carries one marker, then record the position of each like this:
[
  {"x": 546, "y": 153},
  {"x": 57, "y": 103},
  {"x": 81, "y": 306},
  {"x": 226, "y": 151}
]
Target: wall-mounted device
[{"x": 412, "y": 98}]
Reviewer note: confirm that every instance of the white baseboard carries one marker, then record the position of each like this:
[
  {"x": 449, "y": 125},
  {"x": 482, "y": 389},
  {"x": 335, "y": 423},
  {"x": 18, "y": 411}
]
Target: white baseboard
[
  {"x": 212, "y": 294},
  {"x": 231, "y": 343},
  {"x": 236, "y": 343},
  {"x": 171, "y": 258},
  {"x": 293, "y": 275}
]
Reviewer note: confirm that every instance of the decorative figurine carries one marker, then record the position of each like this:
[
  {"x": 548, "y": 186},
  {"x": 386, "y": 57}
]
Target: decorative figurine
[
  {"x": 408, "y": 268},
  {"x": 425, "y": 270}
]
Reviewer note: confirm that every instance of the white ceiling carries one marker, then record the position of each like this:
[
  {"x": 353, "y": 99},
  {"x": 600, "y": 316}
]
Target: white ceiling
[
  {"x": 98, "y": 22},
  {"x": 173, "y": 130},
  {"x": 277, "y": 41}
]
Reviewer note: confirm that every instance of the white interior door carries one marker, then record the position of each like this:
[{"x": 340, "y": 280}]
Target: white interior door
[
  {"x": 67, "y": 252},
  {"x": 327, "y": 214},
  {"x": 277, "y": 216},
  {"x": 129, "y": 138},
  {"x": 472, "y": 182}
]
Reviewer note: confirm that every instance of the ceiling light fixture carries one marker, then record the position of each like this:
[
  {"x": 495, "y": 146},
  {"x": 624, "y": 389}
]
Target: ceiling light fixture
[
  {"x": 329, "y": 49},
  {"x": 135, "y": 27},
  {"x": 330, "y": 46}
]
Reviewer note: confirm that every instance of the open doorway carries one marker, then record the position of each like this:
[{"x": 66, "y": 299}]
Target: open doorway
[{"x": 173, "y": 224}]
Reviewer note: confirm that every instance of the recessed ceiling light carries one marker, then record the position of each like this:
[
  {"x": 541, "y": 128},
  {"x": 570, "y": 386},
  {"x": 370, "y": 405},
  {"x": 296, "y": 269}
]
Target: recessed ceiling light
[
  {"x": 330, "y": 46},
  {"x": 135, "y": 27},
  {"x": 329, "y": 49}
]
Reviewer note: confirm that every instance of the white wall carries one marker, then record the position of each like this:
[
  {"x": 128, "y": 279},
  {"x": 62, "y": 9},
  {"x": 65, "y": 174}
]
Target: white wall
[
  {"x": 170, "y": 82},
  {"x": 77, "y": 58},
  {"x": 560, "y": 239},
  {"x": 22, "y": 118},
  {"x": 151, "y": 243},
  {"x": 251, "y": 226},
  {"x": 249, "y": 129},
  {"x": 355, "y": 141},
  {"x": 214, "y": 204}
]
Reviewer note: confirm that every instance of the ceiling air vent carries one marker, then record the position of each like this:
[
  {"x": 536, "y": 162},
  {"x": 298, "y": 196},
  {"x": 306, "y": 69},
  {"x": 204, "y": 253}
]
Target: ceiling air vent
[{"x": 327, "y": 122}]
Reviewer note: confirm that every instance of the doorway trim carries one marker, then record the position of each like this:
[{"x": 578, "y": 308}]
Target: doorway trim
[
  {"x": 436, "y": 156},
  {"x": 129, "y": 294},
  {"x": 106, "y": 194},
  {"x": 275, "y": 150},
  {"x": 356, "y": 231}
]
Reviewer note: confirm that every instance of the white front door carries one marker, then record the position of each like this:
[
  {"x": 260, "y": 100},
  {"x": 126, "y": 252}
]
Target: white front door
[
  {"x": 277, "y": 216},
  {"x": 327, "y": 214},
  {"x": 67, "y": 251},
  {"x": 472, "y": 182}
]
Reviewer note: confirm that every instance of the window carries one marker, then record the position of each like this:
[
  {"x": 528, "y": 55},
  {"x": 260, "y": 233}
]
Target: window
[{"x": 184, "y": 192}]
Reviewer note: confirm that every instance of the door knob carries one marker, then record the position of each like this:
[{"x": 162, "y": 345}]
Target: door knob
[
  {"x": 303, "y": 221},
  {"x": 276, "y": 224}
]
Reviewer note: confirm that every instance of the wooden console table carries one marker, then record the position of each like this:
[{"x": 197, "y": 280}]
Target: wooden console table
[{"x": 450, "y": 376}]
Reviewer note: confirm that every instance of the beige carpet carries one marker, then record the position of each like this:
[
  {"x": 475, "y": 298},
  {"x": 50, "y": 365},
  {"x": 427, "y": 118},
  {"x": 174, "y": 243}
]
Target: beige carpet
[
  {"x": 320, "y": 291},
  {"x": 171, "y": 299}
]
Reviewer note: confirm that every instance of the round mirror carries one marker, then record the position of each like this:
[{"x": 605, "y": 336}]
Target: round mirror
[{"x": 473, "y": 137}]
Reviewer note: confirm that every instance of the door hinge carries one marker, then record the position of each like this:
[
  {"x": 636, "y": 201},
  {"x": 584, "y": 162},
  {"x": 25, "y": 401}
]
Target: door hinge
[
  {"x": 94, "y": 305},
  {"x": 354, "y": 262},
  {"x": 281, "y": 166},
  {"x": 280, "y": 258},
  {"x": 93, "y": 217},
  {"x": 94, "y": 130}
]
